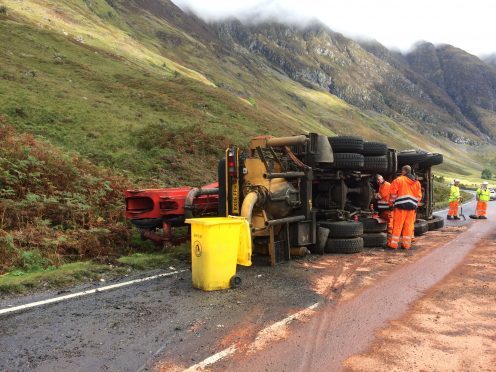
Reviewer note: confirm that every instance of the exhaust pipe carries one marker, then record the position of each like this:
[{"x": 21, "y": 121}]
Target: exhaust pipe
[
  {"x": 248, "y": 204},
  {"x": 287, "y": 141}
]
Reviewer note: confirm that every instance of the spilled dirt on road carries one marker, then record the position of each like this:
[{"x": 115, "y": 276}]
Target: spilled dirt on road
[
  {"x": 453, "y": 325},
  {"x": 332, "y": 278},
  {"x": 340, "y": 278}
]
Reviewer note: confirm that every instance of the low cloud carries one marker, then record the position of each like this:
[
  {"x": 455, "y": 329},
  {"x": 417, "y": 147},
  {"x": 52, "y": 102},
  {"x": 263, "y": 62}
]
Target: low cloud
[{"x": 396, "y": 24}]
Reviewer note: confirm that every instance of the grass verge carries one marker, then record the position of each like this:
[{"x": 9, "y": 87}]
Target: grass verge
[
  {"x": 441, "y": 195},
  {"x": 19, "y": 281}
]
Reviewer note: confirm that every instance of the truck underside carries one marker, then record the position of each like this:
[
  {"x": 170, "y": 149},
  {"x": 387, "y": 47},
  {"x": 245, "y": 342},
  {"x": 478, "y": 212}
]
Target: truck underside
[{"x": 299, "y": 193}]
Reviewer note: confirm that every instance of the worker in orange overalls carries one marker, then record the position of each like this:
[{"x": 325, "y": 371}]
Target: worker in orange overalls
[
  {"x": 454, "y": 199},
  {"x": 383, "y": 203},
  {"x": 405, "y": 195},
  {"x": 483, "y": 195}
]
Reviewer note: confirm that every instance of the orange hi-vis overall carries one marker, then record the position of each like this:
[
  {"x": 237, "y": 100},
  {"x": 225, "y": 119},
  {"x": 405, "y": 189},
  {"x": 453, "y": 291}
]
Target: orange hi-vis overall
[
  {"x": 405, "y": 196},
  {"x": 383, "y": 205},
  {"x": 481, "y": 209},
  {"x": 454, "y": 198},
  {"x": 483, "y": 196}
]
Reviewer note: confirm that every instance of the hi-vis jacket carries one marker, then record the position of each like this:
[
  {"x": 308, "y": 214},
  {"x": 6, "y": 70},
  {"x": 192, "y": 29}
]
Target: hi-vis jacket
[
  {"x": 483, "y": 194},
  {"x": 384, "y": 191},
  {"x": 454, "y": 194},
  {"x": 405, "y": 193}
]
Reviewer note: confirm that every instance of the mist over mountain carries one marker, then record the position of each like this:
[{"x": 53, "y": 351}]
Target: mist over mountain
[
  {"x": 394, "y": 24},
  {"x": 490, "y": 59}
]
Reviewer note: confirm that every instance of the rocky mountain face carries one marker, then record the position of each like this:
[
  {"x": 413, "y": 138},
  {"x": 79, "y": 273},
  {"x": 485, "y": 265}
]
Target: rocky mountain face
[
  {"x": 440, "y": 90},
  {"x": 443, "y": 88},
  {"x": 468, "y": 81}
]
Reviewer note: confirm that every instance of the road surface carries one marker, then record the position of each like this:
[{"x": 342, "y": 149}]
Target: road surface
[{"x": 312, "y": 313}]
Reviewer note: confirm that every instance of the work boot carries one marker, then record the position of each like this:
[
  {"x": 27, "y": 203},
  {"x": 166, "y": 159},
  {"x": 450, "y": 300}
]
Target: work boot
[
  {"x": 450, "y": 217},
  {"x": 456, "y": 218},
  {"x": 482, "y": 218}
]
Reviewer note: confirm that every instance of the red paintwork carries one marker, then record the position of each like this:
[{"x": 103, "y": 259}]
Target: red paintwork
[{"x": 159, "y": 203}]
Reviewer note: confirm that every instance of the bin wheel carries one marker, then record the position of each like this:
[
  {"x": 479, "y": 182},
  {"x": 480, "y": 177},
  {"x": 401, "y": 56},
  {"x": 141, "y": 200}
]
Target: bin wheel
[{"x": 235, "y": 281}]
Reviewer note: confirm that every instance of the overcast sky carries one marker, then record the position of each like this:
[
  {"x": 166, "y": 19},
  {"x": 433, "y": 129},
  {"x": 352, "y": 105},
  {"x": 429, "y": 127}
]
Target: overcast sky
[{"x": 467, "y": 24}]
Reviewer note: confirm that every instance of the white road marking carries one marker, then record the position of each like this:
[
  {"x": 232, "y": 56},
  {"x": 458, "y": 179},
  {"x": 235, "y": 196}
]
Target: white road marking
[
  {"x": 261, "y": 335},
  {"x": 84, "y": 293},
  {"x": 212, "y": 359}
]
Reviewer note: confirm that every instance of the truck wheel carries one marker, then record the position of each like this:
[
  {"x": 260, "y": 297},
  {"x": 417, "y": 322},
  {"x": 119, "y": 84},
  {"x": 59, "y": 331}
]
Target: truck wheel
[
  {"x": 392, "y": 162},
  {"x": 421, "y": 227},
  {"x": 353, "y": 245},
  {"x": 348, "y": 144},
  {"x": 375, "y": 163},
  {"x": 371, "y": 225},
  {"x": 343, "y": 229},
  {"x": 349, "y": 161},
  {"x": 436, "y": 222},
  {"x": 411, "y": 157},
  {"x": 374, "y": 240},
  {"x": 374, "y": 148},
  {"x": 433, "y": 159}
]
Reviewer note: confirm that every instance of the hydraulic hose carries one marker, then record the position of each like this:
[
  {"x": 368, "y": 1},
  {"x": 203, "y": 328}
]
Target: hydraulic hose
[{"x": 194, "y": 193}]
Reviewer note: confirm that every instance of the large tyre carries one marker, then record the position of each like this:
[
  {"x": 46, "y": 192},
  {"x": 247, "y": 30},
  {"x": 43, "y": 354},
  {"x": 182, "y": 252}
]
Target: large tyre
[
  {"x": 353, "y": 245},
  {"x": 374, "y": 240},
  {"x": 411, "y": 157},
  {"x": 392, "y": 162},
  {"x": 348, "y": 161},
  {"x": 374, "y": 149},
  {"x": 375, "y": 163},
  {"x": 435, "y": 223},
  {"x": 421, "y": 227},
  {"x": 371, "y": 225},
  {"x": 345, "y": 144},
  {"x": 433, "y": 159},
  {"x": 343, "y": 229}
]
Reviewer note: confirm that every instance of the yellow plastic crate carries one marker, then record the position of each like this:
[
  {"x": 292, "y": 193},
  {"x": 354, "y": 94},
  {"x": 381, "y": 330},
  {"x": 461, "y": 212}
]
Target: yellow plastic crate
[{"x": 217, "y": 245}]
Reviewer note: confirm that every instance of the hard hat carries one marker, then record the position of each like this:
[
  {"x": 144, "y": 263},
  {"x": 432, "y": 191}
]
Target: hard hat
[
  {"x": 485, "y": 183},
  {"x": 456, "y": 180}
]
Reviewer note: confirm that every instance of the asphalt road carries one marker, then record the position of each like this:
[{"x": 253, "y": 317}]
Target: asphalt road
[
  {"x": 334, "y": 334},
  {"x": 130, "y": 328},
  {"x": 467, "y": 208},
  {"x": 124, "y": 329}
]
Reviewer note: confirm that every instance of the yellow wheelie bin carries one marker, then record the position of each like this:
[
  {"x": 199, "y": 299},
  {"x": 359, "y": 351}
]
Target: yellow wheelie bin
[{"x": 217, "y": 245}]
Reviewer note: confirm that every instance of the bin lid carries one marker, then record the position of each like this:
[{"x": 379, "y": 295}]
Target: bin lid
[{"x": 216, "y": 220}]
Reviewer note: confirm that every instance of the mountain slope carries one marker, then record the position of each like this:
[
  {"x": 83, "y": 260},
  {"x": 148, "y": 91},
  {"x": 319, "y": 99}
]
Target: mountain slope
[
  {"x": 367, "y": 76},
  {"x": 147, "y": 89},
  {"x": 469, "y": 82}
]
